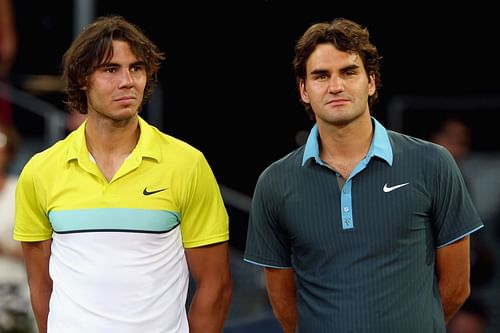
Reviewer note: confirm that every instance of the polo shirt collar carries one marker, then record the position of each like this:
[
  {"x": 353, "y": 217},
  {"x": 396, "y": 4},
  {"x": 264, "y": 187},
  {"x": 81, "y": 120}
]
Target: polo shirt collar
[
  {"x": 145, "y": 147},
  {"x": 380, "y": 146}
]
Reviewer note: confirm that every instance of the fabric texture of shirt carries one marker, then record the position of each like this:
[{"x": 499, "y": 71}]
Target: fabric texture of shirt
[
  {"x": 117, "y": 261},
  {"x": 363, "y": 254}
]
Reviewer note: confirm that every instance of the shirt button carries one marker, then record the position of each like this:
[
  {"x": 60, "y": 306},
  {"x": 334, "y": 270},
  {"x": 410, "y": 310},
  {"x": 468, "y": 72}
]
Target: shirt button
[{"x": 346, "y": 209}]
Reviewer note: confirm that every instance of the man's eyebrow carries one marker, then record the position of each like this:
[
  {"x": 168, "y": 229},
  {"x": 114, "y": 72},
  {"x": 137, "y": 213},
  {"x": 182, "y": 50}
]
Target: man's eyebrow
[
  {"x": 138, "y": 63},
  {"x": 343, "y": 69},
  {"x": 114, "y": 64},
  {"x": 350, "y": 67}
]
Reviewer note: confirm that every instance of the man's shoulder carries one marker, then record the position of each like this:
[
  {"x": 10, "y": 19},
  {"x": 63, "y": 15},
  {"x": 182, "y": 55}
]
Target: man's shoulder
[
  {"x": 284, "y": 165},
  {"x": 403, "y": 141},
  {"x": 410, "y": 148},
  {"x": 55, "y": 150},
  {"x": 48, "y": 162},
  {"x": 168, "y": 148},
  {"x": 170, "y": 143}
]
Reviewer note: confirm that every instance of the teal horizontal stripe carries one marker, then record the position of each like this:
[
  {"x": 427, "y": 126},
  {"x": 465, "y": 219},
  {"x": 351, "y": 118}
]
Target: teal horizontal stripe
[{"x": 113, "y": 219}]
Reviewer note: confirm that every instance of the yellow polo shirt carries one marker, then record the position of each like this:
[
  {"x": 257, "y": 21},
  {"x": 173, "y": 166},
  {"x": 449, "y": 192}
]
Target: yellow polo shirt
[{"x": 113, "y": 242}]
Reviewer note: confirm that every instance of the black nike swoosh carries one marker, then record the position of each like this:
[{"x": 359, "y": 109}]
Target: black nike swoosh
[{"x": 146, "y": 192}]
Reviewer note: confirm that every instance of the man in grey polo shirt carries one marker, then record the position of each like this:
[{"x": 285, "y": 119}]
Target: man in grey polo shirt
[{"x": 362, "y": 229}]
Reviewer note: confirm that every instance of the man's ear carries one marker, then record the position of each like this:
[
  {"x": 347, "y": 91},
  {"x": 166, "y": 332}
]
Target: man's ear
[
  {"x": 372, "y": 85},
  {"x": 303, "y": 92}
]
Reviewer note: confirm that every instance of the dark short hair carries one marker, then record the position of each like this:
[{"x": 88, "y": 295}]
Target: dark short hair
[{"x": 346, "y": 36}]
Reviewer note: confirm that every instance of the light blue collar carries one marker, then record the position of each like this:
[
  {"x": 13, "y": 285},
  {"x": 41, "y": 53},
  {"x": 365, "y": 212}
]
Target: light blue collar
[{"x": 380, "y": 147}]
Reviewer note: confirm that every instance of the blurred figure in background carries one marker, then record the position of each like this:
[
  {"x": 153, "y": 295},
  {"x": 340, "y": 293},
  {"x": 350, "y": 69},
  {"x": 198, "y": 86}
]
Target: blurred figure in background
[
  {"x": 15, "y": 308},
  {"x": 454, "y": 135},
  {"x": 8, "y": 49},
  {"x": 471, "y": 318}
]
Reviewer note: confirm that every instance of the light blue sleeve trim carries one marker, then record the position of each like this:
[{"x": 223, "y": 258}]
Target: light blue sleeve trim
[
  {"x": 264, "y": 265},
  {"x": 460, "y": 237}
]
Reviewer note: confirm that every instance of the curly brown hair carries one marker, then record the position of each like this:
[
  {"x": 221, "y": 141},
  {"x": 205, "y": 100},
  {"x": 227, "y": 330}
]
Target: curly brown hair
[{"x": 94, "y": 46}]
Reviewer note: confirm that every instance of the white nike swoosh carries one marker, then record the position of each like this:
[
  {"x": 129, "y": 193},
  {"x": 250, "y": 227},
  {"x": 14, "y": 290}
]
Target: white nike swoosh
[{"x": 392, "y": 188}]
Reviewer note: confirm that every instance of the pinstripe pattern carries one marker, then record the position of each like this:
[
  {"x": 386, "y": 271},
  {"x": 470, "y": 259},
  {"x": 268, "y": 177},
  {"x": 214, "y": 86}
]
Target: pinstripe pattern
[{"x": 377, "y": 276}]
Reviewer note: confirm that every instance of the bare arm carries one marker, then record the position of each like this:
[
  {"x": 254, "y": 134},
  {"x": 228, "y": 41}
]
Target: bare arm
[
  {"x": 209, "y": 267},
  {"x": 453, "y": 269},
  {"x": 36, "y": 255},
  {"x": 283, "y": 296}
]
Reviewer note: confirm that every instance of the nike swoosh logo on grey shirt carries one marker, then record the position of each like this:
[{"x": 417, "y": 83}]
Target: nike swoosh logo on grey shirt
[{"x": 392, "y": 188}]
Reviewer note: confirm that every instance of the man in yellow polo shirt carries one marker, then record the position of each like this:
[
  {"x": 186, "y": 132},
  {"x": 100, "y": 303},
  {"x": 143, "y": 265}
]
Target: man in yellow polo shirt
[{"x": 115, "y": 217}]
